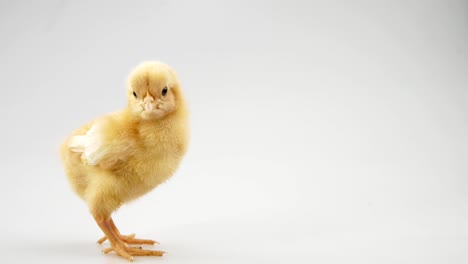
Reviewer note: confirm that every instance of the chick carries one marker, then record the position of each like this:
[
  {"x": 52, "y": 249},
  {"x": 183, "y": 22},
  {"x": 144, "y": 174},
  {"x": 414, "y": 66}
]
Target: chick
[{"x": 123, "y": 155}]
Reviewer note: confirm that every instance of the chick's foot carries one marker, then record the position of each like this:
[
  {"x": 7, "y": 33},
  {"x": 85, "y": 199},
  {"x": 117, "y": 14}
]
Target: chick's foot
[
  {"x": 130, "y": 239},
  {"x": 133, "y": 251}
]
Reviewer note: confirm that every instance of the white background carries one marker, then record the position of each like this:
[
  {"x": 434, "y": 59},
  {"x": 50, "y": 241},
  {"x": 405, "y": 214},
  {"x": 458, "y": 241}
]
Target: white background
[{"x": 322, "y": 131}]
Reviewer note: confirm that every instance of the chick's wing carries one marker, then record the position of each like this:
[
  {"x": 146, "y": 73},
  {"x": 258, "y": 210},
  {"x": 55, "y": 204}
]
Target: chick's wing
[{"x": 91, "y": 144}]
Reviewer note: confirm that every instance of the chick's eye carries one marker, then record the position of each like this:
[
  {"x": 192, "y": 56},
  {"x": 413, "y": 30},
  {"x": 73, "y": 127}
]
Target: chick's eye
[
  {"x": 134, "y": 94},
  {"x": 164, "y": 91}
]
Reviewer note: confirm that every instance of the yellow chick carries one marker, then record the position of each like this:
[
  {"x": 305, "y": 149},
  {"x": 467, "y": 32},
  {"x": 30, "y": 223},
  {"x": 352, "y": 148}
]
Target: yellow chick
[{"x": 123, "y": 155}]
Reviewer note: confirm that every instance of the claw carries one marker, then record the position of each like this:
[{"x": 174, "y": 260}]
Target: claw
[
  {"x": 107, "y": 250},
  {"x": 145, "y": 252},
  {"x": 137, "y": 247},
  {"x": 123, "y": 237},
  {"x": 138, "y": 241},
  {"x": 128, "y": 252},
  {"x": 123, "y": 252}
]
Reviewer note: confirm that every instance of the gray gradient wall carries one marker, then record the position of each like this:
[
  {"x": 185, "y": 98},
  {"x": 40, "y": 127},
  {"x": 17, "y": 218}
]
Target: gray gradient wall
[{"x": 322, "y": 131}]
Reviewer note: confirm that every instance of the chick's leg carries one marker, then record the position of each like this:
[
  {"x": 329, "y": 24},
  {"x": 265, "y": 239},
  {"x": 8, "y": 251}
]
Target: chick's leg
[
  {"x": 129, "y": 239},
  {"x": 118, "y": 246}
]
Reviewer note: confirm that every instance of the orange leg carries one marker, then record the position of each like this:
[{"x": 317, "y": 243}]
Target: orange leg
[
  {"x": 129, "y": 239},
  {"x": 118, "y": 245}
]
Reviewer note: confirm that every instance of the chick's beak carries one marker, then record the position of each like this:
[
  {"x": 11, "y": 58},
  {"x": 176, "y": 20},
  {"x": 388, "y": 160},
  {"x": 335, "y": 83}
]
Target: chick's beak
[
  {"x": 149, "y": 103},
  {"x": 149, "y": 106}
]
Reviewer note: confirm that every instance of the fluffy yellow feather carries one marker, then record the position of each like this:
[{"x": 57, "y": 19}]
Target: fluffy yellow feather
[{"x": 123, "y": 155}]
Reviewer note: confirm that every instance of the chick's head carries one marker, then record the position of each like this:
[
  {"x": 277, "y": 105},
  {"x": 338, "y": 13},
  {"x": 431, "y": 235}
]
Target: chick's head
[{"x": 153, "y": 91}]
